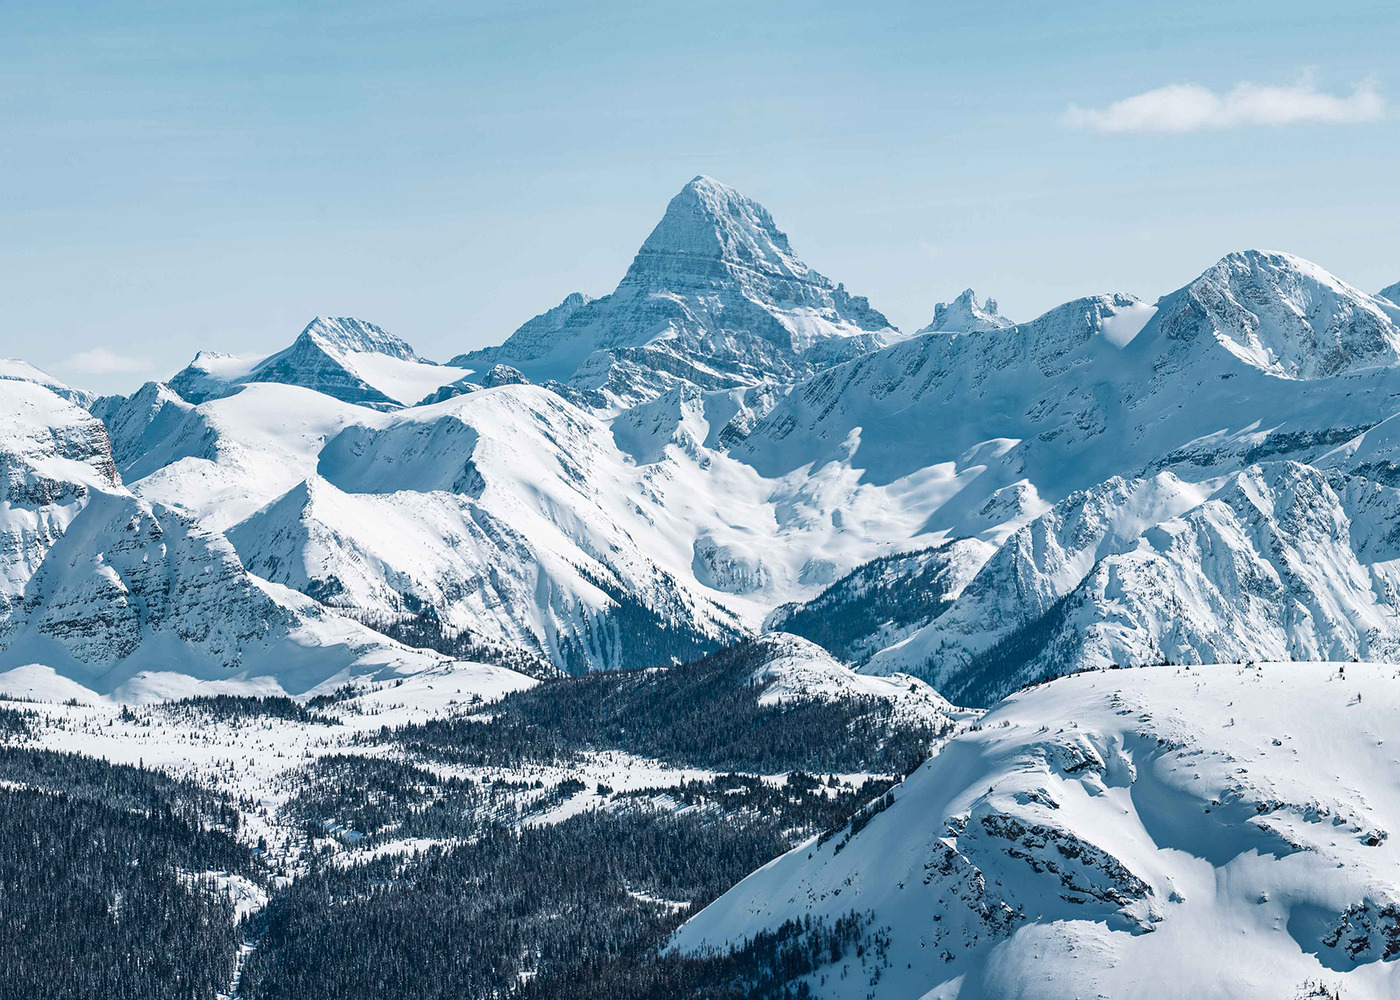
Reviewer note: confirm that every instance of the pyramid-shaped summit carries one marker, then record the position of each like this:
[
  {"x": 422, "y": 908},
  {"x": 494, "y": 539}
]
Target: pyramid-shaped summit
[
  {"x": 715, "y": 297},
  {"x": 708, "y": 220}
]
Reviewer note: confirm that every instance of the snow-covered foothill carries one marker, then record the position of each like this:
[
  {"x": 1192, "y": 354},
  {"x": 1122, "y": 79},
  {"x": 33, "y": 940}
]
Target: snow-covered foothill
[{"x": 1163, "y": 832}]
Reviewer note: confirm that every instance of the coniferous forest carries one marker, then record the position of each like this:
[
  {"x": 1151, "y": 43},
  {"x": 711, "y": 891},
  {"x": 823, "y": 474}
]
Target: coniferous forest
[{"x": 434, "y": 859}]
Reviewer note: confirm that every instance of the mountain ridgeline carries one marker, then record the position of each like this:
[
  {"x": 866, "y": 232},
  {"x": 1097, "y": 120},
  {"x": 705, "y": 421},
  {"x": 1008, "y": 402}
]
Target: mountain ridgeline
[
  {"x": 621, "y": 658},
  {"x": 731, "y": 441}
]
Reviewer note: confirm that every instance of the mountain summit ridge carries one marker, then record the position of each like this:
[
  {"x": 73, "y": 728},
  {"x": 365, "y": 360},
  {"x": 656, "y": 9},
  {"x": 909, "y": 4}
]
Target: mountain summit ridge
[
  {"x": 714, "y": 296},
  {"x": 350, "y": 359},
  {"x": 966, "y": 314}
]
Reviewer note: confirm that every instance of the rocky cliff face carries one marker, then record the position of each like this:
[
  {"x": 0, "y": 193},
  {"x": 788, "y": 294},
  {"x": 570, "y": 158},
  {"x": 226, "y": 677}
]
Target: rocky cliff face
[{"x": 715, "y": 296}]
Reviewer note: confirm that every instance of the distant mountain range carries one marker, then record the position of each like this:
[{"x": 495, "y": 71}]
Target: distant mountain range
[{"x": 728, "y": 439}]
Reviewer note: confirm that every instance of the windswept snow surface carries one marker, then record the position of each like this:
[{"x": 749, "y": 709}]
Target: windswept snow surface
[{"x": 1154, "y": 832}]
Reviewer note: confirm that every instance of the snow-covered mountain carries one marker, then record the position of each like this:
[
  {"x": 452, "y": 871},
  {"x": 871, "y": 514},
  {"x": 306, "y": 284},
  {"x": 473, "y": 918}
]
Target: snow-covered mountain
[
  {"x": 715, "y": 297},
  {"x": 1289, "y": 317},
  {"x": 1390, "y": 293},
  {"x": 1264, "y": 359},
  {"x": 734, "y": 462},
  {"x": 104, "y": 587},
  {"x": 349, "y": 359},
  {"x": 966, "y": 315},
  {"x": 13, "y": 369},
  {"x": 1163, "y": 832},
  {"x": 1278, "y": 561},
  {"x": 508, "y": 512},
  {"x": 730, "y": 442}
]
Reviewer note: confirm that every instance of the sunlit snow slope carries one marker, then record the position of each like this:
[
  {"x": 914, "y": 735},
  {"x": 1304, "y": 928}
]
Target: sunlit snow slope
[{"x": 1155, "y": 832}]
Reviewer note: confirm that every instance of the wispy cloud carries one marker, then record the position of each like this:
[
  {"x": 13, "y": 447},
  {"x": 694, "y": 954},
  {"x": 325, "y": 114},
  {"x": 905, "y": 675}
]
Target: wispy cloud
[
  {"x": 100, "y": 361},
  {"x": 1187, "y": 107}
]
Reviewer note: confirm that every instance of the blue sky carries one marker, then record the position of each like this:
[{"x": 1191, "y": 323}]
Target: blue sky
[{"x": 181, "y": 176}]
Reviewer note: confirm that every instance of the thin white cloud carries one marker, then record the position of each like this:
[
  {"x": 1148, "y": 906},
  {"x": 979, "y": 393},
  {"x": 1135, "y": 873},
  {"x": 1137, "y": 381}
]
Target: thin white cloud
[
  {"x": 1187, "y": 107},
  {"x": 100, "y": 361}
]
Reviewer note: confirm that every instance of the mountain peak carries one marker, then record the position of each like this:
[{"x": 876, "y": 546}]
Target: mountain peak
[
  {"x": 1285, "y": 316},
  {"x": 965, "y": 314},
  {"x": 341, "y": 334},
  {"x": 712, "y": 220},
  {"x": 1390, "y": 294},
  {"x": 347, "y": 358},
  {"x": 715, "y": 295}
]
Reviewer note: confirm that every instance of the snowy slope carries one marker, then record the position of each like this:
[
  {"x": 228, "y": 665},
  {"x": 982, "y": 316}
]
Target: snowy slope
[
  {"x": 513, "y": 514},
  {"x": 139, "y": 422},
  {"x": 115, "y": 592},
  {"x": 966, "y": 315},
  {"x": 22, "y": 371},
  {"x": 507, "y": 510},
  {"x": 1277, "y": 561},
  {"x": 1159, "y": 832},
  {"x": 1390, "y": 293},
  {"x": 354, "y": 361},
  {"x": 225, "y": 458},
  {"x": 715, "y": 297},
  {"x": 794, "y": 668},
  {"x": 53, "y": 457}
]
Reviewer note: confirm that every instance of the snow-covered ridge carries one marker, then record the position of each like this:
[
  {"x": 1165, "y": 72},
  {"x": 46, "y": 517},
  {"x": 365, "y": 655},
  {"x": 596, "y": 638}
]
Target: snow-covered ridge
[
  {"x": 22, "y": 371},
  {"x": 795, "y": 668},
  {"x": 350, "y": 359},
  {"x": 1286, "y": 316},
  {"x": 1125, "y": 833},
  {"x": 124, "y": 595},
  {"x": 1277, "y": 561}
]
